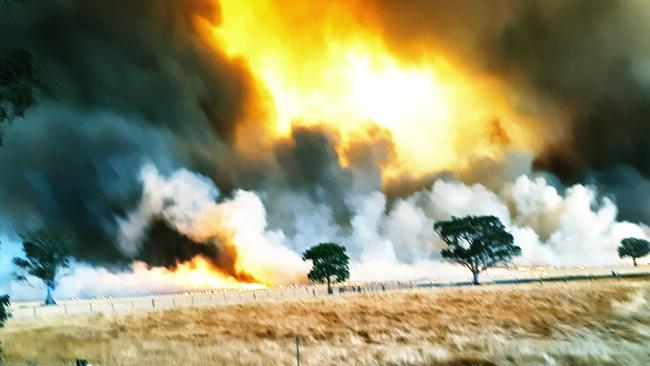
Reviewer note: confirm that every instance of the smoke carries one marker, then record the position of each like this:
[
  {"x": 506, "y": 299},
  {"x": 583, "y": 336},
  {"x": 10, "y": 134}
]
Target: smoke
[
  {"x": 580, "y": 68},
  {"x": 129, "y": 82},
  {"x": 233, "y": 232},
  {"x": 74, "y": 170},
  {"x": 565, "y": 228},
  {"x": 150, "y": 143},
  {"x": 386, "y": 242},
  {"x": 134, "y": 57}
]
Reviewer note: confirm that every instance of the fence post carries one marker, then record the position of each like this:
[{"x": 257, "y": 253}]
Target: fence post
[
  {"x": 297, "y": 350},
  {"x": 113, "y": 307},
  {"x": 153, "y": 303},
  {"x": 91, "y": 306},
  {"x": 34, "y": 309},
  {"x": 192, "y": 298},
  {"x": 65, "y": 307}
]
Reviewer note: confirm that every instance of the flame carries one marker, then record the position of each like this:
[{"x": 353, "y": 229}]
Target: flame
[
  {"x": 325, "y": 63},
  {"x": 246, "y": 256},
  {"x": 200, "y": 274}
]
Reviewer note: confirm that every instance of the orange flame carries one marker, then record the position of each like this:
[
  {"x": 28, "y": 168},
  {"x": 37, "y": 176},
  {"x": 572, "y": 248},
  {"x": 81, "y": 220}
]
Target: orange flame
[
  {"x": 200, "y": 274},
  {"x": 321, "y": 63},
  {"x": 326, "y": 63}
]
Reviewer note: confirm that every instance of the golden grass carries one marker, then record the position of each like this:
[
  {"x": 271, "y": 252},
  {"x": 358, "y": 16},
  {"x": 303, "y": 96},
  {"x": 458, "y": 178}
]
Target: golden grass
[{"x": 580, "y": 323}]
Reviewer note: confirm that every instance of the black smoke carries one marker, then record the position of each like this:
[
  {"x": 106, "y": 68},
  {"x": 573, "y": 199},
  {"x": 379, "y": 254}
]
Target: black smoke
[
  {"x": 163, "y": 246},
  {"x": 142, "y": 56},
  {"x": 78, "y": 171},
  {"x": 129, "y": 82},
  {"x": 132, "y": 82}
]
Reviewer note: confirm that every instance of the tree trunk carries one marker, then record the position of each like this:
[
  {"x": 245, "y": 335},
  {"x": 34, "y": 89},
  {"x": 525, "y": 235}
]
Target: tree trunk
[
  {"x": 475, "y": 276},
  {"x": 49, "y": 299},
  {"x": 329, "y": 287},
  {"x": 634, "y": 261}
]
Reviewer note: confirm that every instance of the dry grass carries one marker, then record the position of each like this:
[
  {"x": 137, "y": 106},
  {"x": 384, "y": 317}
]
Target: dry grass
[{"x": 580, "y": 323}]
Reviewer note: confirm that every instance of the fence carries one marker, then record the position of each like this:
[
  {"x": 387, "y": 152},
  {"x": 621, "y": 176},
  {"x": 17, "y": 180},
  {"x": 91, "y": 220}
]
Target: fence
[
  {"x": 76, "y": 362},
  {"x": 122, "y": 305},
  {"x": 161, "y": 302},
  {"x": 172, "y": 301}
]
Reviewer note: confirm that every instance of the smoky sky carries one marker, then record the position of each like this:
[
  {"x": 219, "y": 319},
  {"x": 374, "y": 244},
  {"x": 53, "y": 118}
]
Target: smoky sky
[
  {"x": 76, "y": 171},
  {"x": 589, "y": 60},
  {"x": 130, "y": 82},
  {"x": 141, "y": 57}
]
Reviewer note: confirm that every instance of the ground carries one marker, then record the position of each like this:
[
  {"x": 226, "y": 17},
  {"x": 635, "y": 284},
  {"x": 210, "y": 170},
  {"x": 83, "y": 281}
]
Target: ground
[{"x": 601, "y": 322}]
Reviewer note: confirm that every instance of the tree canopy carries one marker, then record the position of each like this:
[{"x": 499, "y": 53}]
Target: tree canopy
[
  {"x": 633, "y": 248},
  {"x": 18, "y": 79},
  {"x": 5, "y": 313},
  {"x": 330, "y": 263},
  {"x": 476, "y": 242},
  {"x": 45, "y": 256}
]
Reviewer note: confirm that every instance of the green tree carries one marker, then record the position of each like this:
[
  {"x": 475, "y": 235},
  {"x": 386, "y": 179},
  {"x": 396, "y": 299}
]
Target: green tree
[
  {"x": 5, "y": 313},
  {"x": 476, "y": 242},
  {"x": 18, "y": 80},
  {"x": 633, "y": 248},
  {"x": 46, "y": 258},
  {"x": 330, "y": 263}
]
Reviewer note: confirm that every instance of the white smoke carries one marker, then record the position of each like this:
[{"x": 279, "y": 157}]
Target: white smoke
[
  {"x": 574, "y": 227},
  {"x": 189, "y": 202}
]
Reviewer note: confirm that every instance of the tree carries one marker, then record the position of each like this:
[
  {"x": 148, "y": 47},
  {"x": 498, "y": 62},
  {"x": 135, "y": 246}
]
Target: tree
[
  {"x": 46, "y": 257},
  {"x": 18, "y": 79},
  {"x": 476, "y": 242},
  {"x": 5, "y": 313},
  {"x": 633, "y": 248},
  {"x": 330, "y": 264}
]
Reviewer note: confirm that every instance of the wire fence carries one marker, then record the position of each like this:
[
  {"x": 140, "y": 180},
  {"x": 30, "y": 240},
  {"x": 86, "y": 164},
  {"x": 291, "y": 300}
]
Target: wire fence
[
  {"x": 76, "y": 362},
  {"x": 209, "y": 298},
  {"x": 123, "y": 305}
]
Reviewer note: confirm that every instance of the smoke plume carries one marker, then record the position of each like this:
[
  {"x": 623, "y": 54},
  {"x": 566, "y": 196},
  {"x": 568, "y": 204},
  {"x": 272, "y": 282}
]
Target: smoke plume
[{"x": 160, "y": 145}]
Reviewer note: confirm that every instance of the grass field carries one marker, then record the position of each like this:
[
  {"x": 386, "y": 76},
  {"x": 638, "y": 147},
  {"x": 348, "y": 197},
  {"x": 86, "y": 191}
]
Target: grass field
[{"x": 605, "y": 322}]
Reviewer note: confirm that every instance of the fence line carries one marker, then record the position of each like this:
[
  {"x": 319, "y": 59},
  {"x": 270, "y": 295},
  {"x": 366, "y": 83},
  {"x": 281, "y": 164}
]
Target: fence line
[{"x": 123, "y": 305}]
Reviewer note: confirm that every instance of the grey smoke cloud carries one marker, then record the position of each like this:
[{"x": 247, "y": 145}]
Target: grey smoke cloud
[
  {"x": 133, "y": 84},
  {"x": 579, "y": 66},
  {"x": 129, "y": 82}
]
